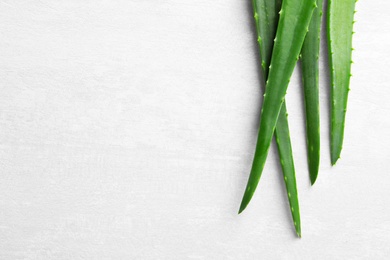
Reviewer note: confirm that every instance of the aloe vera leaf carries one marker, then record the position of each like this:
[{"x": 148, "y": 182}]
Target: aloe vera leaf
[
  {"x": 340, "y": 25},
  {"x": 266, "y": 15},
  {"x": 310, "y": 71},
  {"x": 293, "y": 24}
]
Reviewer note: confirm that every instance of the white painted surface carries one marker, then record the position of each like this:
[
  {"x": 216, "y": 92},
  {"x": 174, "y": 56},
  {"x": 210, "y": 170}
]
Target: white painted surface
[{"x": 127, "y": 130}]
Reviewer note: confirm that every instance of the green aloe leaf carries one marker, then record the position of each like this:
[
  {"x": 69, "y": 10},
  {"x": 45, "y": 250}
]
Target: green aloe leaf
[
  {"x": 266, "y": 15},
  {"x": 340, "y": 26},
  {"x": 310, "y": 71}
]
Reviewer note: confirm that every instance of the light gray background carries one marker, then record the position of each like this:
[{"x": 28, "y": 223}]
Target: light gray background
[{"x": 127, "y": 130}]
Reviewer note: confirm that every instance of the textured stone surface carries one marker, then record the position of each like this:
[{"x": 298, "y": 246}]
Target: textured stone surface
[{"x": 127, "y": 130}]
